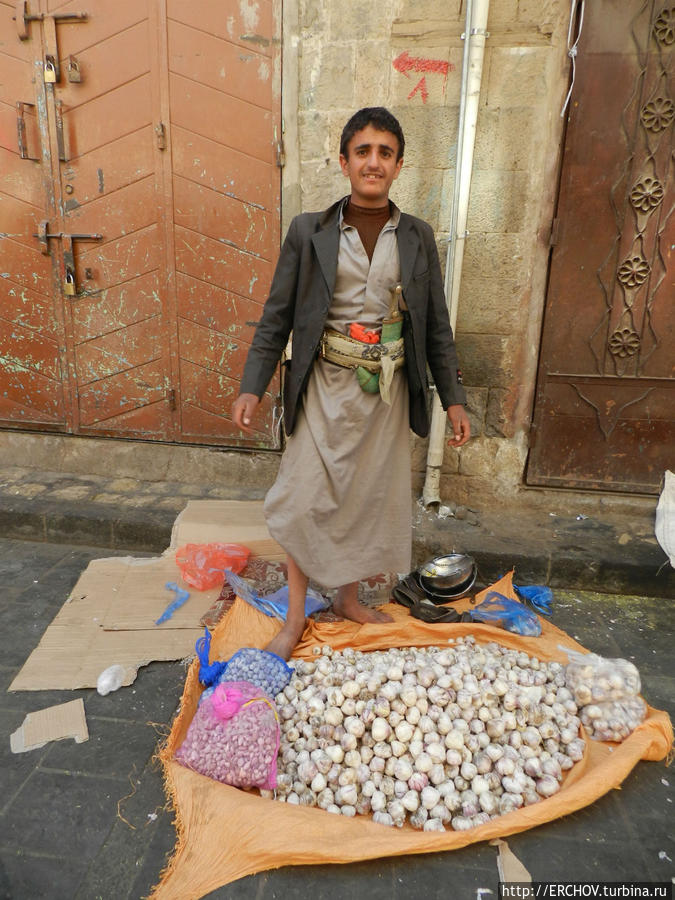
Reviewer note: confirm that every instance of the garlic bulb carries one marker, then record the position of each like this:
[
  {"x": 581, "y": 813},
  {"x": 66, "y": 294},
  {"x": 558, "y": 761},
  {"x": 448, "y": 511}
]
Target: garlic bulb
[
  {"x": 382, "y": 818},
  {"x": 380, "y": 729},
  {"x": 429, "y": 797}
]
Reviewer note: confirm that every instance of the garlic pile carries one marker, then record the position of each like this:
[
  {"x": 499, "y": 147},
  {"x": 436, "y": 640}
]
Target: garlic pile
[{"x": 438, "y": 737}]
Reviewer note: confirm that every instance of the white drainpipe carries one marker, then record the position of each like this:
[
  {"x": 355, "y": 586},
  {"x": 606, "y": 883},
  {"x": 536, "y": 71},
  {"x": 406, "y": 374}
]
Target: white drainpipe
[{"x": 472, "y": 72}]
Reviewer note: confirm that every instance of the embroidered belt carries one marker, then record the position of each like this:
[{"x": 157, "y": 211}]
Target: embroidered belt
[{"x": 380, "y": 360}]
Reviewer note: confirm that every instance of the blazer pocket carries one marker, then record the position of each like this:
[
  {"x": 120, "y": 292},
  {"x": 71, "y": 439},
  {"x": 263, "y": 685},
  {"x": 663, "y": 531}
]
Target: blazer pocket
[{"x": 421, "y": 277}]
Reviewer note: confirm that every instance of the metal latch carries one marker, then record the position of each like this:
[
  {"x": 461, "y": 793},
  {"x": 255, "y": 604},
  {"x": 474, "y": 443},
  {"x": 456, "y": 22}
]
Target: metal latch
[
  {"x": 22, "y": 17},
  {"x": 21, "y": 129},
  {"x": 50, "y": 20},
  {"x": 44, "y": 236}
]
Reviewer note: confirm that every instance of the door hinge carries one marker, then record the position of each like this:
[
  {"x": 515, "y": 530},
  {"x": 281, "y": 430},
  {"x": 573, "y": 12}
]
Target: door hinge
[
  {"x": 555, "y": 232},
  {"x": 160, "y": 131},
  {"x": 279, "y": 147},
  {"x": 281, "y": 155}
]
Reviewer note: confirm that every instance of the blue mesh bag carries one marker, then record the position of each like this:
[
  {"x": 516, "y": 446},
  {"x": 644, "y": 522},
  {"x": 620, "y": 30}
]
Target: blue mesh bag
[{"x": 260, "y": 667}]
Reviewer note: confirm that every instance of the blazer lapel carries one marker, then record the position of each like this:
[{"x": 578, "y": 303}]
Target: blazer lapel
[
  {"x": 326, "y": 244},
  {"x": 408, "y": 245}
]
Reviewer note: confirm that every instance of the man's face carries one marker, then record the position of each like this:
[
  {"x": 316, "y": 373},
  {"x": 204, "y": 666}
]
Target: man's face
[{"x": 371, "y": 165}]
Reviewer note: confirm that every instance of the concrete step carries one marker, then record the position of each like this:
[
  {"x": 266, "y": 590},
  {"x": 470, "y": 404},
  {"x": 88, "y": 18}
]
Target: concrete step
[{"x": 612, "y": 552}]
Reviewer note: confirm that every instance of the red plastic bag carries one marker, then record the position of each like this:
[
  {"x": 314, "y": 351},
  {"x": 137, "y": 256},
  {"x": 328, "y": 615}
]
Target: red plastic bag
[{"x": 203, "y": 565}]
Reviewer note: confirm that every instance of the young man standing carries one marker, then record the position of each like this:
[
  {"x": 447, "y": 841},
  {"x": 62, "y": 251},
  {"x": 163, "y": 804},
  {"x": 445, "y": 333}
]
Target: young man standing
[{"x": 341, "y": 504}]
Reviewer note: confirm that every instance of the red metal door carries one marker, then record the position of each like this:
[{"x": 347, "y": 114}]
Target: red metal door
[
  {"x": 224, "y": 99},
  {"x": 158, "y": 134},
  {"x": 111, "y": 179},
  {"x": 606, "y": 388},
  {"x": 32, "y": 362}
]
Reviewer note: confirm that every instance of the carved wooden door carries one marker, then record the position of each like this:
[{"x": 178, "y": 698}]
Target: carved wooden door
[{"x": 605, "y": 405}]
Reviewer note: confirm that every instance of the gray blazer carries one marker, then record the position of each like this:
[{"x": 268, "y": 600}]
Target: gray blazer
[{"x": 300, "y": 296}]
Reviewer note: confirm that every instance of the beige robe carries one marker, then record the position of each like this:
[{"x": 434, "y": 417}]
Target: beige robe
[{"x": 341, "y": 504}]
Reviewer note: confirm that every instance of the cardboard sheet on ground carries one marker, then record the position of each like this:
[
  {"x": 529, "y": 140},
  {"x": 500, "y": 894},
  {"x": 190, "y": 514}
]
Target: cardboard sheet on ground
[
  {"x": 109, "y": 619},
  {"x": 110, "y": 615},
  {"x": 55, "y": 723},
  {"x": 225, "y": 833},
  {"x": 229, "y": 521}
]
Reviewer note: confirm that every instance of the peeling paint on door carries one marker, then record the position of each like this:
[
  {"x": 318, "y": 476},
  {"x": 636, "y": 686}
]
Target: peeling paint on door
[{"x": 150, "y": 338}]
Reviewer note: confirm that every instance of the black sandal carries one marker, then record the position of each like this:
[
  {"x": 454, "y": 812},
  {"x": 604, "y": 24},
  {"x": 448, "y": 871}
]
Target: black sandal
[{"x": 410, "y": 594}]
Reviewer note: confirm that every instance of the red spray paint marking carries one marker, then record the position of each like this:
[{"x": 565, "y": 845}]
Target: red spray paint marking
[
  {"x": 406, "y": 64},
  {"x": 421, "y": 86}
]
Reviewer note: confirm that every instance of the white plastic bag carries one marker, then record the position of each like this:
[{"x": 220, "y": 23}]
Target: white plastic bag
[{"x": 664, "y": 527}]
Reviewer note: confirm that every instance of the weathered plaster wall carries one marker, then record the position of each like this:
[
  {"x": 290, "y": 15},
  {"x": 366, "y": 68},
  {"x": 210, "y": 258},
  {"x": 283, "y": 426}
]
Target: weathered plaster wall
[{"x": 408, "y": 56}]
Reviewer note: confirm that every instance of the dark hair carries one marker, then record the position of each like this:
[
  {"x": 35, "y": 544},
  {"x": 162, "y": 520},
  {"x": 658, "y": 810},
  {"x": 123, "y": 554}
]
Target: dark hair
[{"x": 377, "y": 116}]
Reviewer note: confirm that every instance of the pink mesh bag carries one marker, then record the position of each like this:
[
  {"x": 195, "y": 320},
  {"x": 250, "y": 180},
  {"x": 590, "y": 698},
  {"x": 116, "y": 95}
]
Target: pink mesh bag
[{"x": 234, "y": 737}]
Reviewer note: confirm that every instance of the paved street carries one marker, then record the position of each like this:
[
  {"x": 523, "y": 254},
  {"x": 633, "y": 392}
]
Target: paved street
[{"x": 86, "y": 821}]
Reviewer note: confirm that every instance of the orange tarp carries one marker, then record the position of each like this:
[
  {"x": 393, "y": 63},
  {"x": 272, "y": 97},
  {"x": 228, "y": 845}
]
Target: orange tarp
[{"x": 225, "y": 833}]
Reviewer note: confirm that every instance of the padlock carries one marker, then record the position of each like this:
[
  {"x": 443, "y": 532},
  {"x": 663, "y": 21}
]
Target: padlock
[
  {"x": 74, "y": 73},
  {"x": 69, "y": 285},
  {"x": 50, "y": 72}
]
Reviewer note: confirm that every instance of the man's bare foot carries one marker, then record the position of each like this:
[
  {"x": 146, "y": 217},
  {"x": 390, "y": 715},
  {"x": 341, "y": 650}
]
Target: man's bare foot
[
  {"x": 357, "y": 612},
  {"x": 284, "y": 643}
]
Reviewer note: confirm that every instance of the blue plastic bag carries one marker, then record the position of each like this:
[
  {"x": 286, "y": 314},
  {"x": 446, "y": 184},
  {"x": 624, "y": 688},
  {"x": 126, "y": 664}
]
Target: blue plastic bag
[
  {"x": 274, "y": 605},
  {"x": 508, "y": 614},
  {"x": 537, "y": 596},
  {"x": 209, "y": 673}
]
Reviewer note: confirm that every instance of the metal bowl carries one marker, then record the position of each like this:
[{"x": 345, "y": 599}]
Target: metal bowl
[
  {"x": 446, "y": 572},
  {"x": 445, "y": 595}
]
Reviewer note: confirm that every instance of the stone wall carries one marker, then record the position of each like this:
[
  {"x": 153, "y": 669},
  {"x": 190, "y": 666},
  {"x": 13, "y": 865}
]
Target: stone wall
[{"x": 408, "y": 56}]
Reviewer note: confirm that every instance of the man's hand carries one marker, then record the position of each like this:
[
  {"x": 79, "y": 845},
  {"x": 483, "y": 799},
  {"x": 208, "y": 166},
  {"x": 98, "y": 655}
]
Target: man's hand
[
  {"x": 243, "y": 411},
  {"x": 460, "y": 425}
]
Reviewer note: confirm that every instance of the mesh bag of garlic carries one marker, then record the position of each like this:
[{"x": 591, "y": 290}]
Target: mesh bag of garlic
[
  {"x": 595, "y": 679},
  {"x": 606, "y": 692},
  {"x": 234, "y": 737},
  {"x": 613, "y": 720},
  {"x": 439, "y": 738},
  {"x": 269, "y": 671}
]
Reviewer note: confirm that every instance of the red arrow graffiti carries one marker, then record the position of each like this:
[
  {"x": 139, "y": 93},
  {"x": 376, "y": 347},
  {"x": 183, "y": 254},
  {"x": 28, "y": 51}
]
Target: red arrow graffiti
[
  {"x": 421, "y": 86},
  {"x": 405, "y": 64}
]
